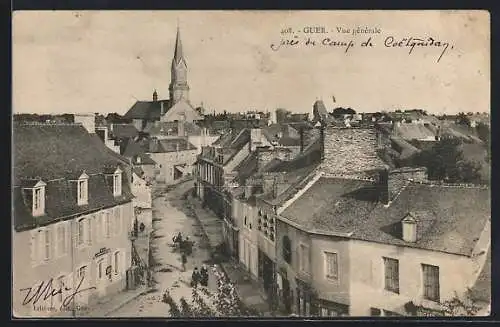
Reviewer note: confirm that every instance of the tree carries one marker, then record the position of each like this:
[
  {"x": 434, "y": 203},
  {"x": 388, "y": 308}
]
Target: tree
[
  {"x": 225, "y": 302},
  {"x": 462, "y": 119},
  {"x": 463, "y": 305},
  {"x": 445, "y": 161}
]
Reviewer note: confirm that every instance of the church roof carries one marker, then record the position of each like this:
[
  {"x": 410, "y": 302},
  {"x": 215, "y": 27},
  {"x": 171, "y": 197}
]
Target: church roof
[{"x": 149, "y": 110}]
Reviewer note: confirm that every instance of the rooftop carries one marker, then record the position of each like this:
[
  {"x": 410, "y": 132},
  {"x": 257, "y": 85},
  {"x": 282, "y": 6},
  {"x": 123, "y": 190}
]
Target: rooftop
[
  {"x": 57, "y": 155},
  {"x": 455, "y": 216}
]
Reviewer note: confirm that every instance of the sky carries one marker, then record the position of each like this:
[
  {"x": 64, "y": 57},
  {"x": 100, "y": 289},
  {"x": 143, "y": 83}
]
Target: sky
[{"x": 103, "y": 61}]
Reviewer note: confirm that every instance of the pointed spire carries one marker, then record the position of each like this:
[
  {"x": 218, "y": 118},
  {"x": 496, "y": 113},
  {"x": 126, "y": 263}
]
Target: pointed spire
[{"x": 178, "y": 55}]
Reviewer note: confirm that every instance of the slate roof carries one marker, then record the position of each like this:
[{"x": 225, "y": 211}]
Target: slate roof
[
  {"x": 58, "y": 154},
  {"x": 456, "y": 215},
  {"x": 413, "y": 131},
  {"x": 230, "y": 144},
  {"x": 134, "y": 150},
  {"x": 154, "y": 145},
  {"x": 147, "y": 110},
  {"x": 162, "y": 128},
  {"x": 121, "y": 131}
]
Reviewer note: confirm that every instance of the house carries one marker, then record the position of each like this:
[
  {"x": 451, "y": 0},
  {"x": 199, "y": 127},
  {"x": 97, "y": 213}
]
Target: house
[
  {"x": 72, "y": 217},
  {"x": 136, "y": 153},
  {"x": 386, "y": 246},
  {"x": 177, "y": 107},
  {"x": 174, "y": 157}
]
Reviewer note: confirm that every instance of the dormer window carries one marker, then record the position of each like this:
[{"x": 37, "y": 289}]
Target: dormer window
[
  {"x": 409, "y": 228},
  {"x": 39, "y": 199},
  {"x": 117, "y": 182},
  {"x": 83, "y": 189}
]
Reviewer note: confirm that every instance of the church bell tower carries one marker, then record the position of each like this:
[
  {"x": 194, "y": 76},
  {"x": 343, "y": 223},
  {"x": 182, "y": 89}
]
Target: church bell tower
[{"x": 179, "y": 88}]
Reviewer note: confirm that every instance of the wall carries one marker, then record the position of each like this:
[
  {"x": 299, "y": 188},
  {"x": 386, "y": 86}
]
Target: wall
[
  {"x": 169, "y": 159},
  {"x": 367, "y": 279},
  {"x": 247, "y": 235},
  {"x": 202, "y": 140},
  {"x": 28, "y": 272},
  {"x": 141, "y": 192},
  {"x": 330, "y": 290},
  {"x": 350, "y": 149},
  {"x": 87, "y": 120}
]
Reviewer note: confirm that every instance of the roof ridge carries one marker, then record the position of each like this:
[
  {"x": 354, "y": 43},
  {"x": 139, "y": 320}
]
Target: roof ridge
[
  {"x": 49, "y": 124},
  {"x": 348, "y": 177},
  {"x": 451, "y": 185}
]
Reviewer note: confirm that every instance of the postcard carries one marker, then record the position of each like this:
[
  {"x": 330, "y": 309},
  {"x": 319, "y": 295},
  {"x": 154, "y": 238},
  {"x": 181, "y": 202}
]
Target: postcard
[{"x": 201, "y": 164}]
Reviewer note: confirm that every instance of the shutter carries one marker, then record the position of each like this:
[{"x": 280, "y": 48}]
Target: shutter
[
  {"x": 88, "y": 224},
  {"x": 33, "y": 247}
]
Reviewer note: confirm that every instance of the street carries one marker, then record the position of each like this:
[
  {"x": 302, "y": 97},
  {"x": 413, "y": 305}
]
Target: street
[{"x": 169, "y": 218}]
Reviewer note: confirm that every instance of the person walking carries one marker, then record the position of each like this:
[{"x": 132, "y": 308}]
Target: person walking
[
  {"x": 195, "y": 277},
  {"x": 184, "y": 261},
  {"x": 204, "y": 276}
]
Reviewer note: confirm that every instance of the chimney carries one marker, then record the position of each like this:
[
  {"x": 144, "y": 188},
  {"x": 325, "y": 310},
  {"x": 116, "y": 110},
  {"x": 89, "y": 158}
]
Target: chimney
[
  {"x": 162, "y": 108},
  {"x": 177, "y": 147},
  {"x": 155, "y": 96},
  {"x": 383, "y": 185},
  {"x": 255, "y": 137},
  {"x": 275, "y": 187},
  {"x": 322, "y": 141},
  {"x": 301, "y": 131},
  {"x": 409, "y": 228},
  {"x": 248, "y": 191}
]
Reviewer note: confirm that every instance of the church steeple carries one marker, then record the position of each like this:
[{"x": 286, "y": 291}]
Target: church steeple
[{"x": 179, "y": 88}]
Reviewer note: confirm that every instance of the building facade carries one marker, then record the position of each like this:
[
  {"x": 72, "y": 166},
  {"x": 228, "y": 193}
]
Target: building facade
[{"x": 72, "y": 220}]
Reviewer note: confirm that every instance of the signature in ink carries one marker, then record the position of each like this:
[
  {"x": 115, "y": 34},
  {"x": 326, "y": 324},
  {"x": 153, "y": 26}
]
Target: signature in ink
[{"x": 46, "y": 290}]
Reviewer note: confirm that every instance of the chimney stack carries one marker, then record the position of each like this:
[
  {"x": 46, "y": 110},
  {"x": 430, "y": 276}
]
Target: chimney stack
[
  {"x": 155, "y": 96},
  {"x": 162, "y": 108},
  {"x": 322, "y": 141},
  {"x": 383, "y": 185}
]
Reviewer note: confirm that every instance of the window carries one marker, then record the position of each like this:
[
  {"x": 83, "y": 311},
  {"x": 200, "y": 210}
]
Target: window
[
  {"x": 100, "y": 269},
  {"x": 61, "y": 286},
  {"x": 82, "y": 271},
  {"x": 117, "y": 220},
  {"x": 89, "y": 230},
  {"x": 81, "y": 232},
  {"x": 37, "y": 199},
  {"x": 117, "y": 183},
  {"x": 431, "y": 282},
  {"x": 287, "y": 249},
  {"x": 46, "y": 234},
  {"x": 303, "y": 262},
  {"x": 391, "y": 267},
  {"x": 117, "y": 262},
  {"x": 38, "y": 204},
  {"x": 107, "y": 225},
  {"x": 61, "y": 239},
  {"x": 332, "y": 268},
  {"x": 82, "y": 189}
]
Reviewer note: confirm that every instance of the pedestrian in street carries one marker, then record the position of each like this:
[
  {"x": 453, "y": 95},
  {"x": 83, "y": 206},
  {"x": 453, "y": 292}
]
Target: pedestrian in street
[
  {"x": 204, "y": 275},
  {"x": 177, "y": 238},
  {"x": 195, "y": 277},
  {"x": 184, "y": 261}
]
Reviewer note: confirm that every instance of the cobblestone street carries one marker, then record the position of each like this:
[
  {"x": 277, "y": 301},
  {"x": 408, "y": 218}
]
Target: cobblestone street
[{"x": 170, "y": 216}]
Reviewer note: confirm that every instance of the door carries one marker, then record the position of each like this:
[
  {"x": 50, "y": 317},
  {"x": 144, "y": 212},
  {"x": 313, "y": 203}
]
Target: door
[
  {"x": 101, "y": 279},
  {"x": 287, "y": 298},
  {"x": 82, "y": 282}
]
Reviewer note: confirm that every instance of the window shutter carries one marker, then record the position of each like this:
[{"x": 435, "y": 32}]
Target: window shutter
[
  {"x": 33, "y": 247},
  {"x": 88, "y": 224}
]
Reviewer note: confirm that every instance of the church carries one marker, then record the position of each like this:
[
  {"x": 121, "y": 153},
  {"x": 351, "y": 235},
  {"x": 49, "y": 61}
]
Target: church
[{"x": 146, "y": 114}]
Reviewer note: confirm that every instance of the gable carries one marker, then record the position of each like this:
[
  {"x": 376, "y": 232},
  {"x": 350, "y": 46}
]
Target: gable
[{"x": 180, "y": 109}]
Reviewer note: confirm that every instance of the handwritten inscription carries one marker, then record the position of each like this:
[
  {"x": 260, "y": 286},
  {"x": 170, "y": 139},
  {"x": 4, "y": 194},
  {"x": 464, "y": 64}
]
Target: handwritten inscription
[
  {"x": 45, "y": 291},
  {"x": 343, "y": 38}
]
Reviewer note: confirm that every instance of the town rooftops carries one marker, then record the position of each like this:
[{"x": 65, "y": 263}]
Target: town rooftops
[
  {"x": 228, "y": 145},
  {"x": 172, "y": 128},
  {"x": 57, "y": 155},
  {"x": 455, "y": 216},
  {"x": 136, "y": 152}
]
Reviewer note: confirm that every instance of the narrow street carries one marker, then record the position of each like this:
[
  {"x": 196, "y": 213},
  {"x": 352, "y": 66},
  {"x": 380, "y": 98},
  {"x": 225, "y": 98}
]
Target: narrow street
[{"x": 170, "y": 216}]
